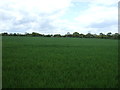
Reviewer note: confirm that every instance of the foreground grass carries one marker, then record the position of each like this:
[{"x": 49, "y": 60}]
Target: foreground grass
[{"x": 59, "y": 62}]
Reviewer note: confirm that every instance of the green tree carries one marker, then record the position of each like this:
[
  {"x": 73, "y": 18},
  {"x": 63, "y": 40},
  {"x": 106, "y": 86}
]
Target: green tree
[
  {"x": 57, "y": 35},
  {"x": 101, "y": 35},
  {"x": 48, "y": 35},
  {"x": 76, "y": 34},
  {"x": 36, "y": 34},
  {"x": 68, "y": 35},
  {"x": 5, "y": 34},
  {"x": 81, "y": 35},
  {"x": 115, "y": 36},
  {"x": 89, "y": 35},
  {"x": 109, "y": 35}
]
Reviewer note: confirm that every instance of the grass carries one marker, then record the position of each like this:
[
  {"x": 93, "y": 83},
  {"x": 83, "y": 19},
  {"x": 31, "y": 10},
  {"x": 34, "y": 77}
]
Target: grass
[{"x": 36, "y": 62}]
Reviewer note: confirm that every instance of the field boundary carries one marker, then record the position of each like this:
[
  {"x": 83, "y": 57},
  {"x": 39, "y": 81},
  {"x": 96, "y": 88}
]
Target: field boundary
[
  {"x": 118, "y": 44},
  {"x": 0, "y": 62}
]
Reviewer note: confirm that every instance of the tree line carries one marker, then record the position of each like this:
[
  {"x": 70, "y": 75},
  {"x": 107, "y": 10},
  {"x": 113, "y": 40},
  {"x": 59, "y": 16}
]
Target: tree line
[{"x": 109, "y": 35}]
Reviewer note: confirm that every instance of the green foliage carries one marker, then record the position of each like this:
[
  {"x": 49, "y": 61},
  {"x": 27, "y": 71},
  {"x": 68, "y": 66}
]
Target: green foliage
[
  {"x": 89, "y": 35},
  {"x": 75, "y": 34},
  {"x": 36, "y": 34},
  {"x": 57, "y": 35},
  {"x": 5, "y": 34},
  {"x": 39, "y": 62},
  {"x": 48, "y": 35}
]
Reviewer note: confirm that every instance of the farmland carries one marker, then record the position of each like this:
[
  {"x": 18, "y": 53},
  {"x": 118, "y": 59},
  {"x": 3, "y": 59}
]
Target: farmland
[{"x": 42, "y": 62}]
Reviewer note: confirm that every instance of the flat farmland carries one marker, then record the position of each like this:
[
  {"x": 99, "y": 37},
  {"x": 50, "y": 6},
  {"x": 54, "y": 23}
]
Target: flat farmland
[{"x": 41, "y": 62}]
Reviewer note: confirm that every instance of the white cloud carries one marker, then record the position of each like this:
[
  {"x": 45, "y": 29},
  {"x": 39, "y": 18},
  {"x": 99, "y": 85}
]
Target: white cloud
[
  {"x": 30, "y": 14},
  {"x": 97, "y": 18},
  {"x": 103, "y": 2},
  {"x": 45, "y": 6},
  {"x": 44, "y": 16},
  {"x": 98, "y": 14}
]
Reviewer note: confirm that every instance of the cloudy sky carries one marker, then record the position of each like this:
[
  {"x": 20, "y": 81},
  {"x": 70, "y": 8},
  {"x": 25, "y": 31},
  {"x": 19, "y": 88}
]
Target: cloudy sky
[{"x": 58, "y": 16}]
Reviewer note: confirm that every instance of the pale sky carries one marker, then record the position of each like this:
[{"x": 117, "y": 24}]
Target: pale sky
[{"x": 59, "y": 16}]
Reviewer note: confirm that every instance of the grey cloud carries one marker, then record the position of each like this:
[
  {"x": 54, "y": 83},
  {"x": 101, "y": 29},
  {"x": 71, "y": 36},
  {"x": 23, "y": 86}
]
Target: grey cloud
[
  {"x": 103, "y": 24},
  {"x": 24, "y": 21},
  {"x": 47, "y": 24},
  {"x": 4, "y": 16},
  {"x": 29, "y": 20},
  {"x": 41, "y": 22}
]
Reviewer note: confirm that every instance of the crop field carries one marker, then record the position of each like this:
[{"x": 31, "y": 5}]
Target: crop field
[{"x": 41, "y": 62}]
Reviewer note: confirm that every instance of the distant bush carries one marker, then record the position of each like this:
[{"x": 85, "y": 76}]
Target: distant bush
[{"x": 75, "y": 34}]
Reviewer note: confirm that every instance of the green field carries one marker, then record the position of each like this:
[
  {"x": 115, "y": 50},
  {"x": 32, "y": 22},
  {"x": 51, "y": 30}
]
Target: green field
[{"x": 39, "y": 62}]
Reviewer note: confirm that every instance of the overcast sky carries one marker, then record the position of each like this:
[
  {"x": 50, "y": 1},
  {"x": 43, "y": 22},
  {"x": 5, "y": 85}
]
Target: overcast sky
[{"x": 59, "y": 16}]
